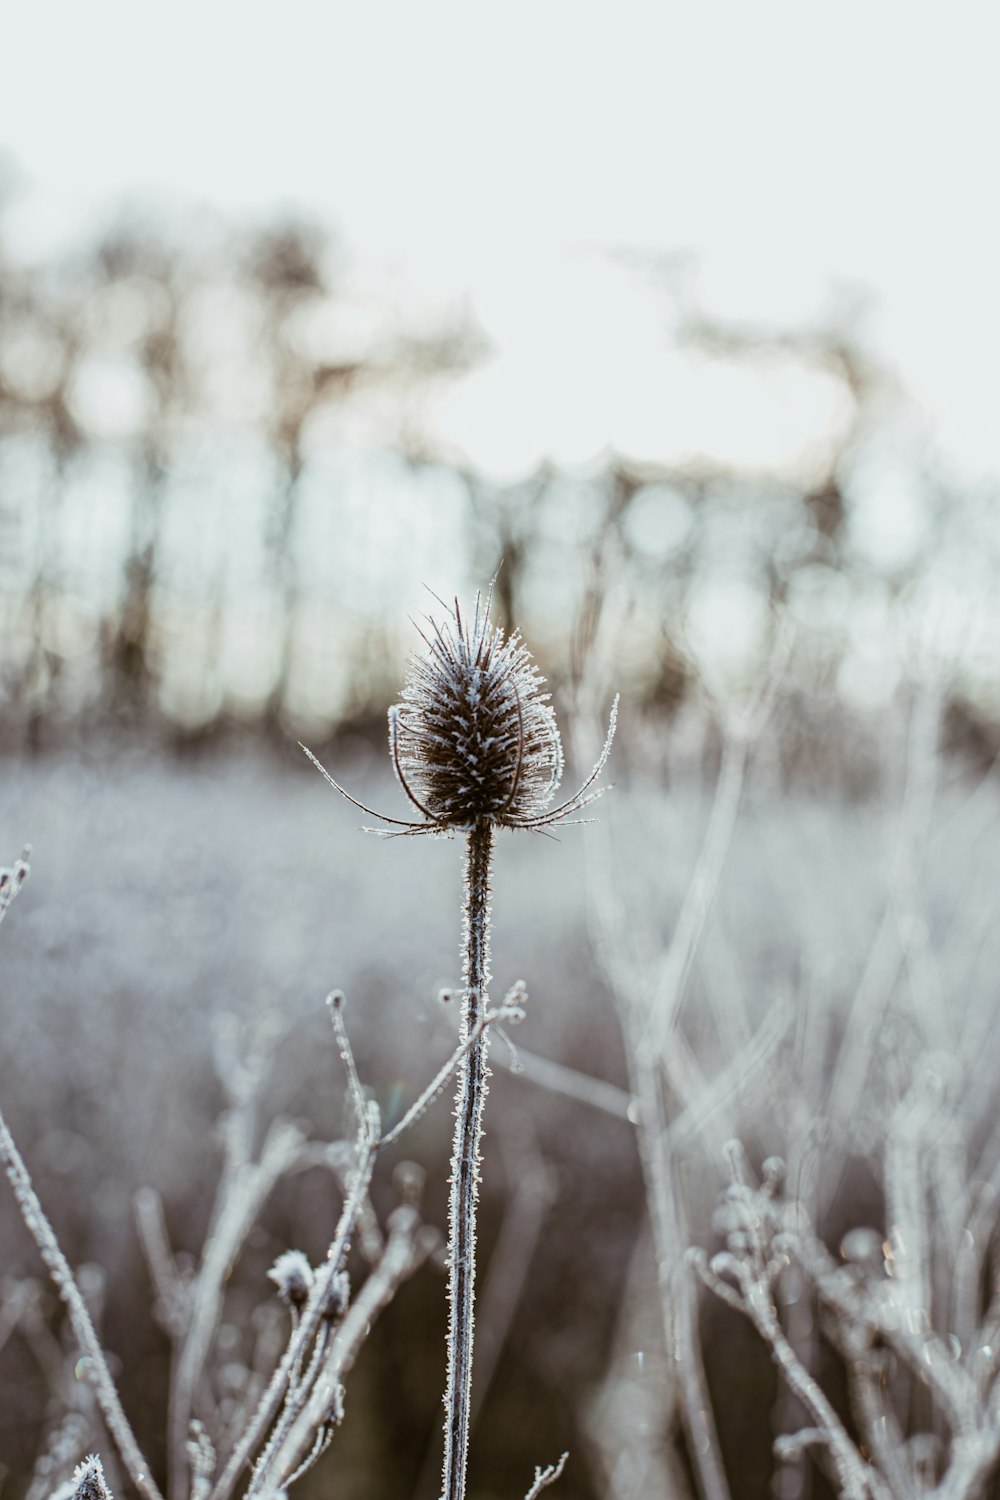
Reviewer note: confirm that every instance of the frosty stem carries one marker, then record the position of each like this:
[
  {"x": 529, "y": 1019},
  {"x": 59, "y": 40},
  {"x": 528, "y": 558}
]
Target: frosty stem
[{"x": 469, "y": 1103}]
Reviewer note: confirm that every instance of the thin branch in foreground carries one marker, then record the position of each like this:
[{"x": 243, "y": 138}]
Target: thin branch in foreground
[
  {"x": 570, "y": 1082},
  {"x": 752, "y": 1296},
  {"x": 312, "y": 1314},
  {"x": 407, "y": 1246},
  {"x": 509, "y": 1013},
  {"x": 335, "y": 1004},
  {"x": 58, "y": 1267},
  {"x": 171, "y": 1306},
  {"x": 545, "y": 1477}
]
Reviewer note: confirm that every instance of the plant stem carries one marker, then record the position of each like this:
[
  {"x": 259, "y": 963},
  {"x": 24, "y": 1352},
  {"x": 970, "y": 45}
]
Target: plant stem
[
  {"x": 105, "y": 1390},
  {"x": 469, "y": 1103}
]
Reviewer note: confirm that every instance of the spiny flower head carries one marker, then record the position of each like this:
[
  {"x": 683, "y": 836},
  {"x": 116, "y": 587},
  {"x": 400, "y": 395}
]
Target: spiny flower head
[{"x": 475, "y": 738}]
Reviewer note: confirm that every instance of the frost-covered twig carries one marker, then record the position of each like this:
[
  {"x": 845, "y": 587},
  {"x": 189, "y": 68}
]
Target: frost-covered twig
[
  {"x": 596, "y": 1093},
  {"x": 647, "y": 1022},
  {"x": 311, "y": 1316},
  {"x": 878, "y": 1312},
  {"x": 743, "y": 1277},
  {"x": 201, "y": 1459},
  {"x": 407, "y": 1246},
  {"x": 172, "y": 1300},
  {"x": 511, "y": 1012},
  {"x": 244, "y": 1187},
  {"x": 660, "y": 1058},
  {"x": 747, "y": 1067},
  {"x": 701, "y": 891},
  {"x": 741, "y": 735},
  {"x": 901, "y": 934},
  {"x": 335, "y": 1005},
  {"x": 545, "y": 1477},
  {"x": 62, "y": 1277}
]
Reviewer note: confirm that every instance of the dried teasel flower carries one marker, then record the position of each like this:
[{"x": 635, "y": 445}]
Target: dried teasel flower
[
  {"x": 475, "y": 739},
  {"x": 475, "y": 747}
]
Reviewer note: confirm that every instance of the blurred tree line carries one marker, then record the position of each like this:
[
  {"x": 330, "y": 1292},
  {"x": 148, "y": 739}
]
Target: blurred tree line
[{"x": 203, "y": 429}]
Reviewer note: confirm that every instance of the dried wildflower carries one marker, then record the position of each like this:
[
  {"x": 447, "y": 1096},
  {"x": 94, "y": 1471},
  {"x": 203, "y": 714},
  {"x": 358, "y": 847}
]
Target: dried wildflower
[
  {"x": 293, "y": 1276},
  {"x": 475, "y": 747},
  {"x": 475, "y": 739}
]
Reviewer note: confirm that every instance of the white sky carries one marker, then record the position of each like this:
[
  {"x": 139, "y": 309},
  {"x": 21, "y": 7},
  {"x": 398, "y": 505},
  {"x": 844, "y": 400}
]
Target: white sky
[{"x": 496, "y": 151}]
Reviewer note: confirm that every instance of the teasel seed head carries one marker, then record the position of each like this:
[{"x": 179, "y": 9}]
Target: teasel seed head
[{"x": 474, "y": 740}]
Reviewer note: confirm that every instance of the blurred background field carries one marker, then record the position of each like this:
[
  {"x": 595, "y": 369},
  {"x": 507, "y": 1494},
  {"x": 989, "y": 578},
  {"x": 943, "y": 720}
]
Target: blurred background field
[{"x": 687, "y": 323}]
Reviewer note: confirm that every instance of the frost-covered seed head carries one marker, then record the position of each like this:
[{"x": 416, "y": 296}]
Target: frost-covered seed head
[
  {"x": 338, "y": 1297},
  {"x": 474, "y": 741},
  {"x": 475, "y": 738},
  {"x": 293, "y": 1276},
  {"x": 89, "y": 1482}
]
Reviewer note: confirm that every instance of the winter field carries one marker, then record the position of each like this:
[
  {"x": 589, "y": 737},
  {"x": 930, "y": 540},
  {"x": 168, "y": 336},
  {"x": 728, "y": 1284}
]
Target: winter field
[
  {"x": 656, "y": 1159},
  {"x": 730, "y": 960}
]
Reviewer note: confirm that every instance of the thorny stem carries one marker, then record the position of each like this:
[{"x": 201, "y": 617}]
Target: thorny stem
[{"x": 469, "y": 1103}]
